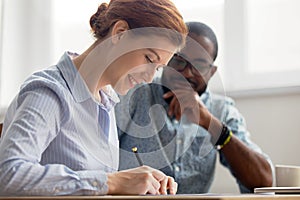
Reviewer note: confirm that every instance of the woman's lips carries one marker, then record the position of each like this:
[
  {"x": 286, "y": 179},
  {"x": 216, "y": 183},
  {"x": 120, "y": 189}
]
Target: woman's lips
[{"x": 132, "y": 80}]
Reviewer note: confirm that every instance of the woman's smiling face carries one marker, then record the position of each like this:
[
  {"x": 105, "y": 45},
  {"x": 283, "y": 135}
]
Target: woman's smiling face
[
  {"x": 133, "y": 56},
  {"x": 136, "y": 67}
]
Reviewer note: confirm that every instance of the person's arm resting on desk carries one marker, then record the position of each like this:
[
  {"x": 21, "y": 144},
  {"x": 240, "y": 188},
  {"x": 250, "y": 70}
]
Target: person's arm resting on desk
[{"x": 187, "y": 78}]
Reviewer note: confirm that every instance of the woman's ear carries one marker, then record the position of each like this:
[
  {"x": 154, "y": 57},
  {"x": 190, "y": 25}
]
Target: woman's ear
[{"x": 118, "y": 30}]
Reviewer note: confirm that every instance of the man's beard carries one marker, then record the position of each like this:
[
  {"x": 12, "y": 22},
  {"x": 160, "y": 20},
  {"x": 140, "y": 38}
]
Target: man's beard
[
  {"x": 202, "y": 90},
  {"x": 194, "y": 85}
]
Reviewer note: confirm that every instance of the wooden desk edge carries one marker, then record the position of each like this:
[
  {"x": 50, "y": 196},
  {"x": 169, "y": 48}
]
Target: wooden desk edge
[{"x": 162, "y": 197}]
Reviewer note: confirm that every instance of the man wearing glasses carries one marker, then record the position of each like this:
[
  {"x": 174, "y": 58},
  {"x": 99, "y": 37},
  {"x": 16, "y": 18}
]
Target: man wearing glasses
[{"x": 180, "y": 127}]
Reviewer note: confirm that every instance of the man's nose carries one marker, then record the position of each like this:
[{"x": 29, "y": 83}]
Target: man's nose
[{"x": 187, "y": 72}]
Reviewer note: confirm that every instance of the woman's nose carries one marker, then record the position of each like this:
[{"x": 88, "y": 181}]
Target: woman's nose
[{"x": 150, "y": 73}]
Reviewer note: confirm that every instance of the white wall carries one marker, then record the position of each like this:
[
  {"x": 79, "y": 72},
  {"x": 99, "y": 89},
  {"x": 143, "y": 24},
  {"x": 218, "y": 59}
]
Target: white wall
[
  {"x": 27, "y": 43},
  {"x": 35, "y": 35},
  {"x": 274, "y": 125}
]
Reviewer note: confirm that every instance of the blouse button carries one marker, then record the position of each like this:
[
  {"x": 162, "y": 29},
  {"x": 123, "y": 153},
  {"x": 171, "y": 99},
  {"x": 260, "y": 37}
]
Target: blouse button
[
  {"x": 95, "y": 183},
  {"x": 56, "y": 190},
  {"x": 177, "y": 169}
]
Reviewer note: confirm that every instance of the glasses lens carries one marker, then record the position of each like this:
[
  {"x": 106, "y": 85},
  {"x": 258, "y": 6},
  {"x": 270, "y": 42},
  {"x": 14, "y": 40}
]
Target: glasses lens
[
  {"x": 180, "y": 64},
  {"x": 177, "y": 63},
  {"x": 202, "y": 69}
]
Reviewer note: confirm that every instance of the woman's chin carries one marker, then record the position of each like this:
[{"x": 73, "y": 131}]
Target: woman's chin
[{"x": 122, "y": 92}]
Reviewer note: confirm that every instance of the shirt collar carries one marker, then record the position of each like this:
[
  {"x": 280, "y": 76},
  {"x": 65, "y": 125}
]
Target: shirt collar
[
  {"x": 77, "y": 86},
  {"x": 109, "y": 97}
]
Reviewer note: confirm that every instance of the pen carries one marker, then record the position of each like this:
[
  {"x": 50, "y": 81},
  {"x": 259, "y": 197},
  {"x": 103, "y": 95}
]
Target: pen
[{"x": 135, "y": 151}]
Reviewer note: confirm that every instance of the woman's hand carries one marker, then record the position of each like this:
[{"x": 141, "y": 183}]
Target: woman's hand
[
  {"x": 140, "y": 180},
  {"x": 168, "y": 183}
]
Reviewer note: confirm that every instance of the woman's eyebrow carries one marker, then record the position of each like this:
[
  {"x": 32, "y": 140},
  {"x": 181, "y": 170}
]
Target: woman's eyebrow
[{"x": 154, "y": 52}]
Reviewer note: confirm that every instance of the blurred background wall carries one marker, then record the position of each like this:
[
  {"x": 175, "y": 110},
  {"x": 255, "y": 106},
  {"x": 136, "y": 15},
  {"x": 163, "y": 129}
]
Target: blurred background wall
[
  {"x": 258, "y": 59},
  {"x": 273, "y": 121}
]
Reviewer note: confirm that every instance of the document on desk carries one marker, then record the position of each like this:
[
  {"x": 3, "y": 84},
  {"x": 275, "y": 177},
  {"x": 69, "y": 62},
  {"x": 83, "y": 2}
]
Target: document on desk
[{"x": 277, "y": 190}]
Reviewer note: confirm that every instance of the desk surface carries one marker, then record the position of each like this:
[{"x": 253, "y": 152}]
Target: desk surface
[{"x": 162, "y": 197}]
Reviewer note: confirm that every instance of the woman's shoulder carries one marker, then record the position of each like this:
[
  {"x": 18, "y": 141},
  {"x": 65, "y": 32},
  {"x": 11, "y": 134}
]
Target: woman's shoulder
[{"x": 49, "y": 78}]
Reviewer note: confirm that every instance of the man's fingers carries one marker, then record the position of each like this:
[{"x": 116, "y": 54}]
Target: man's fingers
[
  {"x": 168, "y": 95},
  {"x": 172, "y": 105},
  {"x": 177, "y": 111}
]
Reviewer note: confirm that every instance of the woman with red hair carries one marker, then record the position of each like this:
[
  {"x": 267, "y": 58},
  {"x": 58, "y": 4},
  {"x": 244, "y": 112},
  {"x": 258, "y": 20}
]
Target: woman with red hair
[{"x": 59, "y": 135}]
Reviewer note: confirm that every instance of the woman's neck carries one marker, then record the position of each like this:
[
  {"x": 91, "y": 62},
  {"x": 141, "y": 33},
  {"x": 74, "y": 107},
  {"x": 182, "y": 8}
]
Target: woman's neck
[{"x": 90, "y": 64}]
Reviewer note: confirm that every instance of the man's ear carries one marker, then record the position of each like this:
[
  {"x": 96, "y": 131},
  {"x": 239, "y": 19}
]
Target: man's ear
[
  {"x": 213, "y": 70},
  {"x": 118, "y": 30}
]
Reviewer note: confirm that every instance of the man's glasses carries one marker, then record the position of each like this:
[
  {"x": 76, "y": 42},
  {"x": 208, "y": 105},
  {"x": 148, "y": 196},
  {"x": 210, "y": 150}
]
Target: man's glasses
[{"x": 180, "y": 64}]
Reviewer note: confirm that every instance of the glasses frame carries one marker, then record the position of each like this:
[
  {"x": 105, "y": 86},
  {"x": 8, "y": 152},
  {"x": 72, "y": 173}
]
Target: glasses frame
[{"x": 194, "y": 69}]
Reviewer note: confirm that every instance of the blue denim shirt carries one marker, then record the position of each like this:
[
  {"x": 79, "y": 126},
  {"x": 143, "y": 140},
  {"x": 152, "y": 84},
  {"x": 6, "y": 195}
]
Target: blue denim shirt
[{"x": 180, "y": 149}]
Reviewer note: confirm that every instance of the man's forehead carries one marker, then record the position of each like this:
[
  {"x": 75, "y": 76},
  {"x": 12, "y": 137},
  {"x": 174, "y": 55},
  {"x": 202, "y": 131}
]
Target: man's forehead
[
  {"x": 195, "y": 52},
  {"x": 197, "y": 46}
]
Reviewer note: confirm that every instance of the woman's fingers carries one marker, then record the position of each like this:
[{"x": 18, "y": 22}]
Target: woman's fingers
[
  {"x": 154, "y": 178},
  {"x": 172, "y": 185},
  {"x": 158, "y": 175},
  {"x": 167, "y": 183},
  {"x": 164, "y": 186},
  {"x": 140, "y": 180},
  {"x": 153, "y": 187}
]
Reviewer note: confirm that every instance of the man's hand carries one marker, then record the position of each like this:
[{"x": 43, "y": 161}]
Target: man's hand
[{"x": 188, "y": 102}]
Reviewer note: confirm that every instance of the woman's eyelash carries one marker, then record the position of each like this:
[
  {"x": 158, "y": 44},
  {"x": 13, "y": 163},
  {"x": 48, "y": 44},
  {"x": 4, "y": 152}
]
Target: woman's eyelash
[{"x": 148, "y": 59}]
